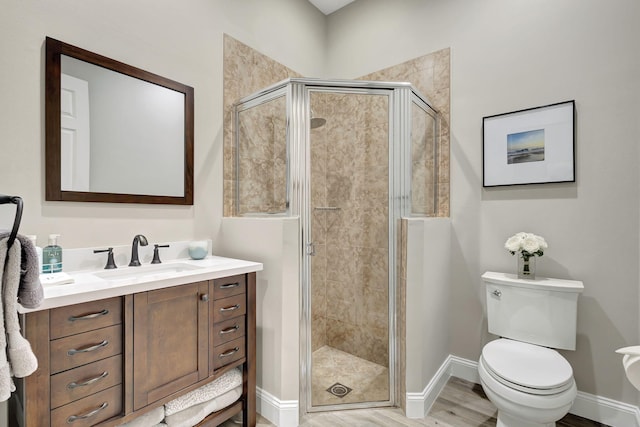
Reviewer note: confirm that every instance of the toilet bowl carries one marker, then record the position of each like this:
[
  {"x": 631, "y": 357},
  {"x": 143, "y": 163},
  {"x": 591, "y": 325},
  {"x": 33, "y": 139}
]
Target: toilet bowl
[{"x": 531, "y": 386}]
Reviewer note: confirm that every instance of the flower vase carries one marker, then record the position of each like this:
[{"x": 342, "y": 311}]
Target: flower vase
[{"x": 526, "y": 267}]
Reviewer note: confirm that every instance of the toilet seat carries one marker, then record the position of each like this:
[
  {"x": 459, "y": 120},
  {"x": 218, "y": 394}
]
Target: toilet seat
[{"x": 526, "y": 367}]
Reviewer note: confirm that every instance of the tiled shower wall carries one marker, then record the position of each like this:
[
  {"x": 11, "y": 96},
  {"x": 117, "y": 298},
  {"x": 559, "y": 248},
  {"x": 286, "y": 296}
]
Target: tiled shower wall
[
  {"x": 263, "y": 158},
  {"x": 430, "y": 75},
  {"x": 349, "y": 199},
  {"x": 246, "y": 71}
]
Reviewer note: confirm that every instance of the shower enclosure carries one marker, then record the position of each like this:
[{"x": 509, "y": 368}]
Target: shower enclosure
[{"x": 349, "y": 158}]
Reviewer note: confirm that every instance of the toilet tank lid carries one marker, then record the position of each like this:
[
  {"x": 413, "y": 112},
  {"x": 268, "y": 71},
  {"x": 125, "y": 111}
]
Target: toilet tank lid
[{"x": 557, "y": 285}]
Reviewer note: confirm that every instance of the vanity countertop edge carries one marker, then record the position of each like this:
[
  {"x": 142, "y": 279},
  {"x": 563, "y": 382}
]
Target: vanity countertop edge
[{"x": 89, "y": 287}]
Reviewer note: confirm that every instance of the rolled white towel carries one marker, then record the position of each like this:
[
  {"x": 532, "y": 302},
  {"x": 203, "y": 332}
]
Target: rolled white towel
[
  {"x": 150, "y": 419},
  {"x": 226, "y": 382},
  {"x": 193, "y": 415}
]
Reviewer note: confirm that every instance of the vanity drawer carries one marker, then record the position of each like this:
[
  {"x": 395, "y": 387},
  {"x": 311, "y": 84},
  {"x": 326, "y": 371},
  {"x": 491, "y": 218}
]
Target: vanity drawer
[
  {"x": 228, "y": 286},
  {"x": 75, "y": 319},
  {"x": 91, "y": 410},
  {"x": 77, "y": 350},
  {"x": 227, "y": 308},
  {"x": 228, "y": 352},
  {"x": 85, "y": 380},
  {"x": 228, "y": 330}
]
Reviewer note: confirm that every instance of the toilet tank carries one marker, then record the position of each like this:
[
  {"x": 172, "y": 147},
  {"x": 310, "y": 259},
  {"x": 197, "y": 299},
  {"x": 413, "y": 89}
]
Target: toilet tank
[{"x": 542, "y": 311}]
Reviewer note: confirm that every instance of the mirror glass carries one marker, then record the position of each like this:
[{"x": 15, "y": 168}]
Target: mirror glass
[{"x": 115, "y": 133}]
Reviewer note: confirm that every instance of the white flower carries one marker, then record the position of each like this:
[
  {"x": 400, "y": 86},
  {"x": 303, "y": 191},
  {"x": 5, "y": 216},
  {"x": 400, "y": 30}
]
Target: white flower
[
  {"x": 513, "y": 243},
  {"x": 528, "y": 244}
]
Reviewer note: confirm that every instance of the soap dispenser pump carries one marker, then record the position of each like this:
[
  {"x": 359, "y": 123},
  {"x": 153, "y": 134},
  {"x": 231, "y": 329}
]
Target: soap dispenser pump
[{"x": 52, "y": 256}]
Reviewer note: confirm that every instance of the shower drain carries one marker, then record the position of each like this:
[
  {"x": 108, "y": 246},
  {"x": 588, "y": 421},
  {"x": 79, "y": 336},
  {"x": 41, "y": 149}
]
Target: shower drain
[{"x": 339, "y": 390}]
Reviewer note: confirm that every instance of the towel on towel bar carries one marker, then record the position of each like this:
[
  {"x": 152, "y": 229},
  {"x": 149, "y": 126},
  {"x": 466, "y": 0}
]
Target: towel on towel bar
[
  {"x": 30, "y": 292},
  {"x": 205, "y": 393},
  {"x": 193, "y": 415},
  {"x": 21, "y": 360}
]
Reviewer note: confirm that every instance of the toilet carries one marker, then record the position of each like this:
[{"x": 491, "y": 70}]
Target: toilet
[{"x": 521, "y": 373}]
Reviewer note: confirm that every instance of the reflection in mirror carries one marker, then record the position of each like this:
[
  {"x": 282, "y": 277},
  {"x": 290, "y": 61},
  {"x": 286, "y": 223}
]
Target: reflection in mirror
[{"x": 115, "y": 133}]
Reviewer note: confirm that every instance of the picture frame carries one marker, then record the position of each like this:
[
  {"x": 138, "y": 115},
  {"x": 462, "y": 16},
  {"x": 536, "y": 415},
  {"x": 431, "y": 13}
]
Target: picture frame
[{"x": 530, "y": 146}]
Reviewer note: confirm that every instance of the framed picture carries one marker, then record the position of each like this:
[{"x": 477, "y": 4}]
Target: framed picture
[{"x": 532, "y": 146}]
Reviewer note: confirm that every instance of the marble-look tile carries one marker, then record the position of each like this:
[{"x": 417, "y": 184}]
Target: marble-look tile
[
  {"x": 375, "y": 268},
  {"x": 368, "y": 381},
  {"x": 441, "y": 67},
  {"x": 341, "y": 299},
  {"x": 245, "y": 71},
  {"x": 319, "y": 333},
  {"x": 430, "y": 74},
  {"x": 372, "y": 310}
]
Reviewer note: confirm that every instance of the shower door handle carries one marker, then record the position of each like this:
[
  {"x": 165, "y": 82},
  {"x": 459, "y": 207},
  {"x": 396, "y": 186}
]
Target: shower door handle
[{"x": 311, "y": 249}]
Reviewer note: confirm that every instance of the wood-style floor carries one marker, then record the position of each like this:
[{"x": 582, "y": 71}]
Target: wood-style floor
[{"x": 460, "y": 404}]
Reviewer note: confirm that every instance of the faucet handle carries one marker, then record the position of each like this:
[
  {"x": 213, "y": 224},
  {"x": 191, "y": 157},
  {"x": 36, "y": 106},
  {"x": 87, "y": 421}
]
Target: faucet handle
[
  {"x": 111, "y": 264},
  {"x": 156, "y": 254}
]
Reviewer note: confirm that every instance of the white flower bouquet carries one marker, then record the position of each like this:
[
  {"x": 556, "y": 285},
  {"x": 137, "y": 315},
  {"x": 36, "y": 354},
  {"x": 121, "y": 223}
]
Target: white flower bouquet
[{"x": 528, "y": 244}]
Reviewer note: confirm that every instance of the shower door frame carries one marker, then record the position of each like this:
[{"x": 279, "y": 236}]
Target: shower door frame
[
  {"x": 399, "y": 95},
  {"x": 298, "y": 114}
]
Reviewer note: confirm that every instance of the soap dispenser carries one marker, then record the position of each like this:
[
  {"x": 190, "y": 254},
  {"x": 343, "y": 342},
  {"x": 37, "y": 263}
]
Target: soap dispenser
[{"x": 52, "y": 256}]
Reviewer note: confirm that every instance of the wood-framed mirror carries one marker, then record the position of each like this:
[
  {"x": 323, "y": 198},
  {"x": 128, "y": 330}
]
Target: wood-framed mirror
[{"x": 115, "y": 133}]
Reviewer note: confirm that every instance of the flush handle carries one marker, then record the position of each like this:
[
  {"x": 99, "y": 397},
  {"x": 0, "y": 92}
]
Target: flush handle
[{"x": 497, "y": 293}]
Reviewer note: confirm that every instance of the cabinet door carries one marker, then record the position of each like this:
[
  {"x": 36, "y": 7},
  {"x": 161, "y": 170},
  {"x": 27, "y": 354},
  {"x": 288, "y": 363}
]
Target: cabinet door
[{"x": 170, "y": 338}]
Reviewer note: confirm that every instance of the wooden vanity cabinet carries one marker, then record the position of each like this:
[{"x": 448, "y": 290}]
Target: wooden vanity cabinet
[
  {"x": 106, "y": 362},
  {"x": 170, "y": 341}
]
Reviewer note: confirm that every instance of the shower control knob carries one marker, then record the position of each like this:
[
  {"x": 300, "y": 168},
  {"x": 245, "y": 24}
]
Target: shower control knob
[{"x": 497, "y": 293}]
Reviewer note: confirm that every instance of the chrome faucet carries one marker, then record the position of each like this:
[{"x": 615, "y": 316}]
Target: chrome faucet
[{"x": 138, "y": 239}]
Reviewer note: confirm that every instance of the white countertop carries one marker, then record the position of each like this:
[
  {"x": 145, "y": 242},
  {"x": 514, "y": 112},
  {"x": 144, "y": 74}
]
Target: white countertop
[{"x": 89, "y": 286}]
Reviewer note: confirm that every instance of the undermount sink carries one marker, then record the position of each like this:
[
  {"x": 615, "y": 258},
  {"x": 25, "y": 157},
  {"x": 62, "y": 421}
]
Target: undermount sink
[{"x": 155, "y": 271}]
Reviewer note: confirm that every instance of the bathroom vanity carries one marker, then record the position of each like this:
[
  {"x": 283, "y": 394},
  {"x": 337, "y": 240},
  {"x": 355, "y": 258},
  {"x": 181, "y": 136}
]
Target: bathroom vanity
[{"x": 115, "y": 347}]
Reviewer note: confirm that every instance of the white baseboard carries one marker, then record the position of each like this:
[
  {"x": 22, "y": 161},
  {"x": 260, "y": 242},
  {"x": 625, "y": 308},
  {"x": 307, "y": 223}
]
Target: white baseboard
[
  {"x": 419, "y": 404},
  {"x": 282, "y": 413},
  {"x": 285, "y": 413},
  {"x": 601, "y": 409},
  {"x": 605, "y": 410}
]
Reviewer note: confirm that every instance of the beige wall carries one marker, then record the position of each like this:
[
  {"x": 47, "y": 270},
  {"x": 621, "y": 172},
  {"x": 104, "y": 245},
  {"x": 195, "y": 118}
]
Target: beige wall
[
  {"x": 273, "y": 242},
  {"x": 179, "y": 41},
  {"x": 508, "y": 55},
  {"x": 428, "y": 298}
]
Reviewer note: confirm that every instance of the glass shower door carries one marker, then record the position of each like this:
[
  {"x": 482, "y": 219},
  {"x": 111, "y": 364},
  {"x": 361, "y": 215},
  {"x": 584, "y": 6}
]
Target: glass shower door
[{"x": 349, "y": 185}]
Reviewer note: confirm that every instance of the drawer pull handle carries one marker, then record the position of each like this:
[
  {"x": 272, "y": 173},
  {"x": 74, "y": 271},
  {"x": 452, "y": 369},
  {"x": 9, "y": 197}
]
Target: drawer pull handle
[
  {"x": 230, "y": 285},
  {"x": 230, "y": 308},
  {"x": 88, "y": 349},
  {"x": 228, "y": 353},
  {"x": 89, "y": 316},
  {"x": 73, "y": 418},
  {"x": 74, "y": 384},
  {"x": 229, "y": 330}
]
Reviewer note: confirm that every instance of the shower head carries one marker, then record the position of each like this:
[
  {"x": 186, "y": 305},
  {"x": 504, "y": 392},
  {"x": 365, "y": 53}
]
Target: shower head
[{"x": 317, "y": 122}]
